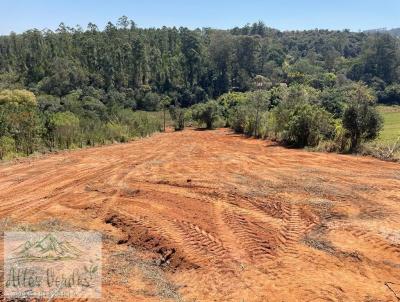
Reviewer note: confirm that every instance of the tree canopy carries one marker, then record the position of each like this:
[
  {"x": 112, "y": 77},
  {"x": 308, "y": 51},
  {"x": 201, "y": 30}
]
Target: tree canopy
[{"x": 191, "y": 66}]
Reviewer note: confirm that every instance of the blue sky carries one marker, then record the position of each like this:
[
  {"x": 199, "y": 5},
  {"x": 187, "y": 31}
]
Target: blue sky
[{"x": 20, "y": 15}]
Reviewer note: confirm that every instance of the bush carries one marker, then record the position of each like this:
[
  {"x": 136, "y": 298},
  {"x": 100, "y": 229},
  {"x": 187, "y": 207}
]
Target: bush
[
  {"x": 340, "y": 142},
  {"x": 250, "y": 115},
  {"x": 391, "y": 95},
  {"x": 20, "y": 119},
  {"x": 361, "y": 118},
  {"x": 279, "y": 94},
  {"x": 341, "y": 139},
  {"x": 208, "y": 113},
  {"x": 145, "y": 123},
  {"x": 117, "y": 132},
  {"x": 178, "y": 116},
  {"x": 238, "y": 118},
  {"x": 93, "y": 132},
  {"x": 242, "y": 119},
  {"x": 258, "y": 128},
  {"x": 231, "y": 100},
  {"x": 63, "y": 129},
  {"x": 17, "y": 96},
  {"x": 7, "y": 146},
  {"x": 302, "y": 124},
  {"x": 137, "y": 123},
  {"x": 150, "y": 102}
]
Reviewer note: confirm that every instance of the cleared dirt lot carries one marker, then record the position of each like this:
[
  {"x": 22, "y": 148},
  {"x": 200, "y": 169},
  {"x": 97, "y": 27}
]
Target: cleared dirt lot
[{"x": 212, "y": 216}]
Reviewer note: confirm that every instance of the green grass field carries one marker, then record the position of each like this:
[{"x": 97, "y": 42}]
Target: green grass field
[{"x": 391, "y": 127}]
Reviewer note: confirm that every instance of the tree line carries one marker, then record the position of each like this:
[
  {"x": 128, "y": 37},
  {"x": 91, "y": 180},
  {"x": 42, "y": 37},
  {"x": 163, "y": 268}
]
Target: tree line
[
  {"x": 93, "y": 81},
  {"x": 337, "y": 119},
  {"x": 31, "y": 124}
]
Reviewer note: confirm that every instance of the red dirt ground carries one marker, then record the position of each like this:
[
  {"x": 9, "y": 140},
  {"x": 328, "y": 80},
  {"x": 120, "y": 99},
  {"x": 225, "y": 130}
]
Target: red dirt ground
[{"x": 213, "y": 216}]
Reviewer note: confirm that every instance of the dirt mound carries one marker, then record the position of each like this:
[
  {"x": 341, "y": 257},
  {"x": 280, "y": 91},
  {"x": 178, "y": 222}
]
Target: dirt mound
[
  {"x": 212, "y": 216},
  {"x": 142, "y": 237}
]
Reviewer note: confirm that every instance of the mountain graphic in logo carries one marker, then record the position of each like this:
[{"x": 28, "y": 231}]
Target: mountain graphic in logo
[{"x": 49, "y": 248}]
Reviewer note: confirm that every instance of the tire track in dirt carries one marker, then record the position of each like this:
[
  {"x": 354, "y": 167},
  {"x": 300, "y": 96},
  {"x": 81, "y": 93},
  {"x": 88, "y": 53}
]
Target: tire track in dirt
[
  {"x": 291, "y": 233},
  {"x": 256, "y": 241},
  {"x": 44, "y": 199},
  {"x": 197, "y": 245},
  {"x": 227, "y": 235},
  {"x": 225, "y": 216},
  {"x": 375, "y": 242},
  {"x": 190, "y": 248},
  {"x": 205, "y": 249}
]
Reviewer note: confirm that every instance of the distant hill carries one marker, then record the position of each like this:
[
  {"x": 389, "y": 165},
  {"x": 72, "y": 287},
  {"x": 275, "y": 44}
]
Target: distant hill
[{"x": 394, "y": 31}]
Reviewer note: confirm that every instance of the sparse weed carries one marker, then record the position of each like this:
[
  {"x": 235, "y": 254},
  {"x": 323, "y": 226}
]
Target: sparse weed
[{"x": 383, "y": 151}]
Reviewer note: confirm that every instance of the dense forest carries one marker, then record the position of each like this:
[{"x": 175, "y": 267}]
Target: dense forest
[{"x": 80, "y": 86}]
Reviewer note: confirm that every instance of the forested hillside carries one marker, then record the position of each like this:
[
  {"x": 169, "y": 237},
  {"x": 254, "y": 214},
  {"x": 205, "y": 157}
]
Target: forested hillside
[
  {"x": 77, "y": 87},
  {"x": 133, "y": 67},
  {"x": 395, "y": 32}
]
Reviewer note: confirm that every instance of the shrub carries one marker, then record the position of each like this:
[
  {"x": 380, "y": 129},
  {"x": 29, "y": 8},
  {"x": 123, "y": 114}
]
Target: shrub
[
  {"x": 145, "y": 123},
  {"x": 258, "y": 126},
  {"x": 302, "y": 124},
  {"x": 64, "y": 129},
  {"x": 250, "y": 116},
  {"x": 340, "y": 142},
  {"x": 208, "y": 113},
  {"x": 7, "y": 146},
  {"x": 238, "y": 118},
  {"x": 243, "y": 119},
  {"x": 136, "y": 123},
  {"x": 150, "y": 102},
  {"x": 93, "y": 132},
  {"x": 231, "y": 100},
  {"x": 178, "y": 116},
  {"x": 341, "y": 139},
  {"x": 391, "y": 95},
  {"x": 117, "y": 132},
  {"x": 20, "y": 119},
  {"x": 361, "y": 118},
  {"x": 17, "y": 96},
  {"x": 279, "y": 94}
]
